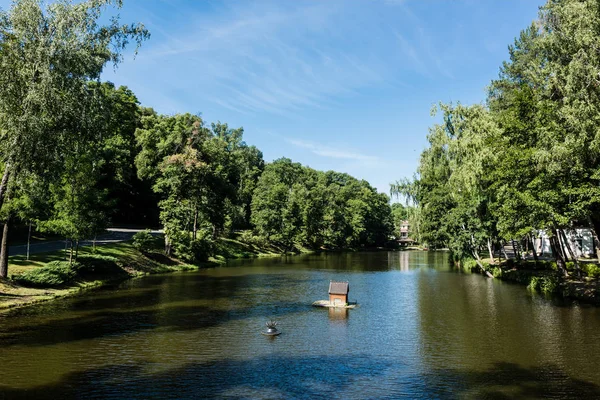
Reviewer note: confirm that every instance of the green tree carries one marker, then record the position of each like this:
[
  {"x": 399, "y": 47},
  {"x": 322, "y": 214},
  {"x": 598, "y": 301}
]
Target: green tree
[{"x": 47, "y": 59}]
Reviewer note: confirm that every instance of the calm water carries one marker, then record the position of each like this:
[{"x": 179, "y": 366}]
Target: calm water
[{"x": 421, "y": 331}]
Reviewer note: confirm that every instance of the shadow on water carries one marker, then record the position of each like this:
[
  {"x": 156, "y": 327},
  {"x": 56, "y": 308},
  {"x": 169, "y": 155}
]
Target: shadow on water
[
  {"x": 265, "y": 377},
  {"x": 114, "y": 323},
  {"x": 508, "y": 381},
  {"x": 310, "y": 377},
  {"x": 184, "y": 302}
]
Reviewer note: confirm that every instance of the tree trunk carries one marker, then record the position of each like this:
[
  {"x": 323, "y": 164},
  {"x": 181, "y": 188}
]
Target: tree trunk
[
  {"x": 66, "y": 247},
  {"x": 28, "y": 240},
  {"x": 572, "y": 253},
  {"x": 563, "y": 245},
  {"x": 167, "y": 246},
  {"x": 533, "y": 249},
  {"x": 71, "y": 254},
  {"x": 593, "y": 228},
  {"x": 517, "y": 255},
  {"x": 4, "y": 183},
  {"x": 489, "y": 244},
  {"x": 76, "y": 249},
  {"x": 480, "y": 264},
  {"x": 502, "y": 244},
  {"x": 560, "y": 262},
  {"x": 195, "y": 222},
  {"x": 4, "y": 251}
]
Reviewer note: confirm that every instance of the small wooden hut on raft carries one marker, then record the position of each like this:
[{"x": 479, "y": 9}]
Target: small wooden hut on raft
[{"x": 338, "y": 293}]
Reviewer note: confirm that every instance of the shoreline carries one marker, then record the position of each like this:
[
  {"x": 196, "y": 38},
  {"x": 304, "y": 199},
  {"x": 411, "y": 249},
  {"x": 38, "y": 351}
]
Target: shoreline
[
  {"x": 133, "y": 265},
  {"x": 541, "y": 278}
]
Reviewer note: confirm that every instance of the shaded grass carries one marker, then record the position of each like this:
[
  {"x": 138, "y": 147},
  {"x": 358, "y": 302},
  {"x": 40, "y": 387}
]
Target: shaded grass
[
  {"x": 226, "y": 248},
  {"x": 541, "y": 276},
  {"x": 93, "y": 270},
  {"x": 129, "y": 263}
]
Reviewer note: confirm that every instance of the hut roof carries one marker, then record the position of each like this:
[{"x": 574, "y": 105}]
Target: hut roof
[{"x": 338, "y": 287}]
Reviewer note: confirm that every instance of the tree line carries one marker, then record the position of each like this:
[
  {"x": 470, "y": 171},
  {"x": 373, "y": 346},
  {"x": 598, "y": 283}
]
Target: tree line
[
  {"x": 78, "y": 154},
  {"x": 528, "y": 159}
]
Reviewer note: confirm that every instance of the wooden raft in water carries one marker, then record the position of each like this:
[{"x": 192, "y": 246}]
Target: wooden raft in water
[{"x": 328, "y": 304}]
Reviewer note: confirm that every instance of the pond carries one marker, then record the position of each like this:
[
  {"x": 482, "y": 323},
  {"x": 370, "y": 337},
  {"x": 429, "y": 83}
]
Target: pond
[{"x": 421, "y": 330}]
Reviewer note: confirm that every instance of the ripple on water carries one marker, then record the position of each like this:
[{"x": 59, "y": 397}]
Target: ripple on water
[{"x": 420, "y": 331}]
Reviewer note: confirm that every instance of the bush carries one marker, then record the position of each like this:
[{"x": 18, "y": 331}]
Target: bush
[
  {"x": 497, "y": 272},
  {"x": 543, "y": 284},
  {"x": 53, "y": 274},
  {"x": 469, "y": 264},
  {"x": 591, "y": 270},
  {"x": 144, "y": 241},
  {"x": 251, "y": 239},
  {"x": 95, "y": 263},
  {"x": 193, "y": 250}
]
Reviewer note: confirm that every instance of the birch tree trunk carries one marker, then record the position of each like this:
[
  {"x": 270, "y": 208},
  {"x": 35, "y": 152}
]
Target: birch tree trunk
[
  {"x": 4, "y": 251},
  {"x": 533, "y": 248},
  {"x": 572, "y": 253},
  {"x": 489, "y": 244},
  {"x": 28, "y": 240},
  {"x": 595, "y": 237},
  {"x": 4, "y": 183},
  {"x": 502, "y": 244},
  {"x": 560, "y": 262}
]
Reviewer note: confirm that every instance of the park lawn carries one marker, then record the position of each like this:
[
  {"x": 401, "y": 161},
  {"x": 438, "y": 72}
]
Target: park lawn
[{"x": 132, "y": 263}]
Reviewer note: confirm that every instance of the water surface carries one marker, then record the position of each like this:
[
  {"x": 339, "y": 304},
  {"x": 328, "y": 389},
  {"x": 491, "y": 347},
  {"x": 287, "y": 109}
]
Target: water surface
[{"x": 421, "y": 331}]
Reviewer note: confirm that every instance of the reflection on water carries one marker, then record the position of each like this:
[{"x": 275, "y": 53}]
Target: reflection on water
[
  {"x": 338, "y": 314},
  {"x": 420, "y": 330}
]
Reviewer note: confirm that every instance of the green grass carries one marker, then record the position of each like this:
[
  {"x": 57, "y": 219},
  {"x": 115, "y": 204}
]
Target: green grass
[{"x": 49, "y": 275}]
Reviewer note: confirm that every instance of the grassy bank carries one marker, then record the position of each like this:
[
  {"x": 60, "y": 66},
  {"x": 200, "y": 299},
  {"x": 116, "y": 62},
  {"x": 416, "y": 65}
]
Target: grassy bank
[
  {"x": 47, "y": 276},
  {"x": 542, "y": 277}
]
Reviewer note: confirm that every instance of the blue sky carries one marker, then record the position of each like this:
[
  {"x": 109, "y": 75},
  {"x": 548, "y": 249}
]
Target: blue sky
[{"x": 334, "y": 84}]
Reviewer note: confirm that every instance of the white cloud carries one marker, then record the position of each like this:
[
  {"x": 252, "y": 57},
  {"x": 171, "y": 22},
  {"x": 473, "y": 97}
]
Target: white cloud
[{"x": 332, "y": 152}]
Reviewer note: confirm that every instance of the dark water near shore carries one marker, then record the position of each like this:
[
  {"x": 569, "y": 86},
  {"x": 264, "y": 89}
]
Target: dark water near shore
[{"x": 421, "y": 331}]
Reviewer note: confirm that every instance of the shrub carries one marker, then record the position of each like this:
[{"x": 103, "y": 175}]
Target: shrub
[
  {"x": 193, "y": 250},
  {"x": 144, "y": 241},
  {"x": 251, "y": 239},
  {"x": 53, "y": 274},
  {"x": 95, "y": 263},
  {"x": 469, "y": 264},
  {"x": 591, "y": 270},
  {"x": 543, "y": 284},
  {"x": 497, "y": 272}
]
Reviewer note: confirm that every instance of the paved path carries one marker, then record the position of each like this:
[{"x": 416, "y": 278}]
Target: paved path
[{"x": 114, "y": 235}]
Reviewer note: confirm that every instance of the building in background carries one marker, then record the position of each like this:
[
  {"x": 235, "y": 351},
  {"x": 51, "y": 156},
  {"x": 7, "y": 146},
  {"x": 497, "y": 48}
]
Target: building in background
[{"x": 404, "y": 238}]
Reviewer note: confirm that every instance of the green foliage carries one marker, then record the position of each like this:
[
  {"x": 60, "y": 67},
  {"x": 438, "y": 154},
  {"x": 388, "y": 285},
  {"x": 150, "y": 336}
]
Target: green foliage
[
  {"x": 296, "y": 205},
  {"x": 53, "y": 274},
  {"x": 527, "y": 161},
  {"x": 144, "y": 241},
  {"x": 48, "y": 101},
  {"x": 193, "y": 250},
  {"x": 496, "y": 272},
  {"x": 250, "y": 238},
  {"x": 469, "y": 264},
  {"x": 544, "y": 284},
  {"x": 95, "y": 263},
  {"x": 591, "y": 270}
]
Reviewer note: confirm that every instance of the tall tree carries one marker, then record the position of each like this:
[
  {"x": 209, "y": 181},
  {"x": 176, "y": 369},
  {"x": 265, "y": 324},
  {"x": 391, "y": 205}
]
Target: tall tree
[{"x": 47, "y": 59}]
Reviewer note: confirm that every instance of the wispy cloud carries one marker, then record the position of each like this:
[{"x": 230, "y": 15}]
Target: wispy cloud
[
  {"x": 284, "y": 57},
  {"x": 273, "y": 57},
  {"x": 332, "y": 152}
]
